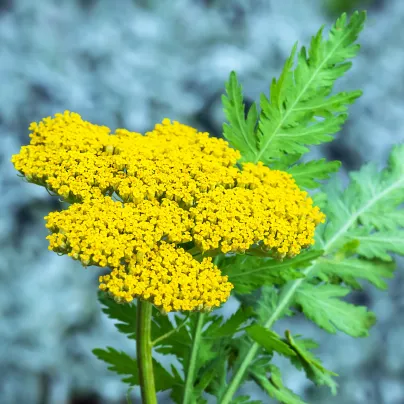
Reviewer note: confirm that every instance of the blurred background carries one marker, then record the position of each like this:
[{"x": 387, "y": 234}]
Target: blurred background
[{"x": 130, "y": 64}]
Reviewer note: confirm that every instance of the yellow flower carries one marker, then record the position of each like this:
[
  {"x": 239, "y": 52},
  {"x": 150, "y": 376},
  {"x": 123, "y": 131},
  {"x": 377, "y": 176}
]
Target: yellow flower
[
  {"x": 171, "y": 279},
  {"x": 175, "y": 185},
  {"x": 113, "y": 232}
]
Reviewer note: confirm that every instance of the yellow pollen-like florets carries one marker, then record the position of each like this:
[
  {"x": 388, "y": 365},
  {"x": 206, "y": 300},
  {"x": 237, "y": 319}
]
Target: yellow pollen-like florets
[
  {"x": 171, "y": 279},
  {"x": 174, "y": 185},
  {"x": 104, "y": 232}
]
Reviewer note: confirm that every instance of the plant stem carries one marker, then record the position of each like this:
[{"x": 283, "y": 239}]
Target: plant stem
[
  {"x": 144, "y": 352},
  {"x": 190, "y": 376},
  {"x": 282, "y": 304}
]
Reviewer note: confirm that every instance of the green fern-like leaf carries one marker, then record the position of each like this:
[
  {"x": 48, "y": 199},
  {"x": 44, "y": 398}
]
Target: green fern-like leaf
[
  {"x": 274, "y": 387},
  {"x": 321, "y": 304},
  {"x": 287, "y": 122},
  {"x": 125, "y": 314},
  {"x": 300, "y": 110},
  {"x": 120, "y": 363},
  {"x": 248, "y": 273},
  {"x": 269, "y": 340},
  {"x": 306, "y": 360},
  {"x": 350, "y": 255},
  {"x": 240, "y": 131},
  {"x": 232, "y": 325},
  {"x": 123, "y": 364},
  {"x": 351, "y": 269},
  {"x": 307, "y": 175}
]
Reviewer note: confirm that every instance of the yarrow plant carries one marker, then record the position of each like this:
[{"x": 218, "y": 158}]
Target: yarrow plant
[{"x": 181, "y": 220}]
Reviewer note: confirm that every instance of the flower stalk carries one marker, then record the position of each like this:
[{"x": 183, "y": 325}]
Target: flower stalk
[
  {"x": 190, "y": 376},
  {"x": 144, "y": 352}
]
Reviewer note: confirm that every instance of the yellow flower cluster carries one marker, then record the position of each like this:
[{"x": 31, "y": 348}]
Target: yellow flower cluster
[
  {"x": 175, "y": 185},
  {"x": 171, "y": 278},
  {"x": 105, "y": 232},
  {"x": 70, "y": 157},
  {"x": 266, "y": 207}
]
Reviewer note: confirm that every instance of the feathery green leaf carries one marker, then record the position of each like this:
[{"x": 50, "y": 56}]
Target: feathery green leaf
[
  {"x": 240, "y": 131},
  {"x": 248, "y": 273},
  {"x": 307, "y": 175},
  {"x": 120, "y": 363},
  {"x": 306, "y": 360},
  {"x": 322, "y": 305},
  {"x": 274, "y": 387},
  {"x": 269, "y": 340},
  {"x": 123, "y": 364},
  {"x": 287, "y": 122},
  {"x": 351, "y": 269},
  {"x": 124, "y": 313}
]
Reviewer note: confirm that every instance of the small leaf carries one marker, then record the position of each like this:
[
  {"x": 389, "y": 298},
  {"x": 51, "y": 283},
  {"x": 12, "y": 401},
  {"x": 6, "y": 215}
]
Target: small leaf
[
  {"x": 123, "y": 364},
  {"x": 248, "y": 273},
  {"x": 322, "y": 305},
  {"x": 311, "y": 365},
  {"x": 232, "y": 324},
  {"x": 350, "y": 269},
  {"x": 274, "y": 387},
  {"x": 124, "y": 313},
  {"x": 240, "y": 132},
  {"x": 307, "y": 175},
  {"x": 269, "y": 340},
  {"x": 120, "y": 363}
]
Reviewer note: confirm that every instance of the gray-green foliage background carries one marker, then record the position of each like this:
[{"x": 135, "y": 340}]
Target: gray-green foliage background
[{"x": 130, "y": 64}]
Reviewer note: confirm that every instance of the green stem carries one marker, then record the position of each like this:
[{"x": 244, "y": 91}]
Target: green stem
[
  {"x": 190, "y": 377},
  {"x": 144, "y": 352},
  {"x": 283, "y": 303}
]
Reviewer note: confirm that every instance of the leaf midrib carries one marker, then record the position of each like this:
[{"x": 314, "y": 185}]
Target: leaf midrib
[{"x": 315, "y": 73}]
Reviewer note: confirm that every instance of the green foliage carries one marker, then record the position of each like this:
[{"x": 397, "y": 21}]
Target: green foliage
[
  {"x": 312, "y": 366},
  {"x": 367, "y": 211},
  {"x": 350, "y": 269},
  {"x": 240, "y": 131},
  {"x": 120, "y": 363},
  {"x": 125, "y": 314},
  {"x": 307, "y": 175},
  {"x": 269, "y": 340},
  {"x": 268, "y": 305},
  {"x": 300, "y": 110},
  {"x": 322, "y": 305},
  {"x": 123, "y": 364},
  {"x": 363, "y": 228},
  {"x": 248, "y": 273},
  {"x": 274, "y": 387}
]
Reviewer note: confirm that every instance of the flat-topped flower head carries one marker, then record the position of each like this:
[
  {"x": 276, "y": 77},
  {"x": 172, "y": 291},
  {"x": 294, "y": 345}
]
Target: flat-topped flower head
[{"x": 175, "y": 186}]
